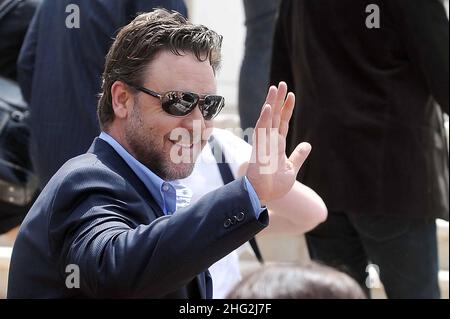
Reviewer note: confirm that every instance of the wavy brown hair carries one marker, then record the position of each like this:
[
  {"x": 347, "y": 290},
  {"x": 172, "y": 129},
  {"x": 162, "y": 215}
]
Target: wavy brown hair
[{"x": 137, "y": 44}]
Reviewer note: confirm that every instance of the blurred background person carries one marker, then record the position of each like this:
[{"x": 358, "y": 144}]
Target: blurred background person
[
  {"x": 285, "y": 281},
  {"x": 366, "y": 82}
]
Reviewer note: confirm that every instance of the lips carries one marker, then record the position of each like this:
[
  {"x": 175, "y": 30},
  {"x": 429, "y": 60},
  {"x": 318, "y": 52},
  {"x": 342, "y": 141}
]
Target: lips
[{"x": 184, "y": 145}]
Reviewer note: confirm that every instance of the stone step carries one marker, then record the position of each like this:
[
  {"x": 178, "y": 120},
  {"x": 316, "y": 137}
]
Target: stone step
[
  {"x": 280, "y": 248},
  {"x": 442, "y": 234},
  {"x": 5, "y": 256}
]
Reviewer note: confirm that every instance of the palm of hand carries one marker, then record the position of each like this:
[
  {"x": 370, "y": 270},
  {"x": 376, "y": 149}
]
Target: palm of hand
[{"x": 271, "y": 173}]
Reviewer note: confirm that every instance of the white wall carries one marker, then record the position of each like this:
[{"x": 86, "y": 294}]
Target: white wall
[{"x": 227, "y": 19}]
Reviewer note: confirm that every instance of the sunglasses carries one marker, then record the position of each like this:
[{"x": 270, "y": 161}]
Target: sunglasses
[{"x": 179, "y": 103}]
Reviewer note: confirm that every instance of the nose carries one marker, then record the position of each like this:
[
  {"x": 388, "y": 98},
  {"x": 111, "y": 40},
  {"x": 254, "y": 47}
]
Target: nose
[{"x": 194, "y": 120}]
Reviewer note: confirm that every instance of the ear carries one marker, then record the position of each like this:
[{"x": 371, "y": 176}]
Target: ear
[{"x": 122, "y": 99}]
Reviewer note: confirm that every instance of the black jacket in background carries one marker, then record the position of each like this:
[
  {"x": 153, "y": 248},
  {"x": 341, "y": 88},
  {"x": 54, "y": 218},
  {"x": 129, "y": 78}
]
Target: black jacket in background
[
  {"x": 13, "y": 27},
  {"x": 365, "y": 102}
]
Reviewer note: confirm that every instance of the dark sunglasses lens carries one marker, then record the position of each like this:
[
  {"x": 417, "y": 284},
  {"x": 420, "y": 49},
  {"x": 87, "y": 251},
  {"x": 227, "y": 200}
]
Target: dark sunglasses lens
[
  {"x": 179, "y": 103},
  {"x": 212, "y": 106}
]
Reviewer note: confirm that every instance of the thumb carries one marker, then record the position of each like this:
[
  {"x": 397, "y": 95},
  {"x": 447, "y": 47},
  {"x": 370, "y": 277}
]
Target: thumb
[{"x": 299, "y": 155}]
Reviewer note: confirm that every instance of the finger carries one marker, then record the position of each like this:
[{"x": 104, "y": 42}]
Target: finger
[
  {"x": 271, "y": 95},
  {"x": 279, "y": 102},
  {"x": 286, "y": 114},
  {"x": 261, "y": 128},
  {"x": 264, "y": 117},
  {"x": 299, "y": 155}
]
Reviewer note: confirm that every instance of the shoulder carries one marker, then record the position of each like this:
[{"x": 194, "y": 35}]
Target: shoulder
[
  {"x": 85, "y": 187},
  {"x": 84, "y": 175}
]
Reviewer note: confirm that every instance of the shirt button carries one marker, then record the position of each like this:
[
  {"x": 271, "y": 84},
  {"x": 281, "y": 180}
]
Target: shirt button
[{"x": 165, "y": 187}]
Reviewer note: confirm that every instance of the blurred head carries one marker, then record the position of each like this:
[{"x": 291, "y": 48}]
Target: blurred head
[
  {"x": 160, "y": 51},
  {"x": 282, "y": 281}
]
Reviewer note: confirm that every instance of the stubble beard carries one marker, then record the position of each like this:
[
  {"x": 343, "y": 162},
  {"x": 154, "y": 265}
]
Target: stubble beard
[{"x": 152, "y": 156}]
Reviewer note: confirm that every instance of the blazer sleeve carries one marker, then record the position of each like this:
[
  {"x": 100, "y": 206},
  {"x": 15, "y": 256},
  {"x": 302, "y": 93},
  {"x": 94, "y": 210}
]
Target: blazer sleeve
[
  {"x": 424, "y": 28},
  {"x": 98, "y": 226}
]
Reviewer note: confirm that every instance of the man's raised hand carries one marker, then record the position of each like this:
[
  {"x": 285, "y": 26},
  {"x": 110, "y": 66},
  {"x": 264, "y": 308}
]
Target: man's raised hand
[{"x": 270, "y": 171}]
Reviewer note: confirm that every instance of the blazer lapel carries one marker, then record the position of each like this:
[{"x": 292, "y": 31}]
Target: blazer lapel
[
  {"x": 201, "y": 285},
  {"x": 107, "y": 155},
  {"x": 205, "y": 285}
]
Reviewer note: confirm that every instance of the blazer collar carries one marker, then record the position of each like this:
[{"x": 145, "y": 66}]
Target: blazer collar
[{"x": 108, "y": 156}]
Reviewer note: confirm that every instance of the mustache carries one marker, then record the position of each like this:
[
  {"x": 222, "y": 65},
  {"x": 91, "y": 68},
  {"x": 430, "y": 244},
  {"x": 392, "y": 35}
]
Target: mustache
[{"x": 185, "y": 136}]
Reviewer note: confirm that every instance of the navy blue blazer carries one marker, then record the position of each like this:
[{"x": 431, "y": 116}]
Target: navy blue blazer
[
  {"x": 95, "y": 213},
  {"x": 59, "y": 71}
]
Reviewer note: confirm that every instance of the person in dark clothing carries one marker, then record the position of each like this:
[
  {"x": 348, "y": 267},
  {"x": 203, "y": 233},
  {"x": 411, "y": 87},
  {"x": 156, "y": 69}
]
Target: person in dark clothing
[
  {"x": 15, "y": 17},
  {"x": 260, "y": 18},
  {"x": 366, "y": 78},
  {"x": 60, "y": 69}
]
